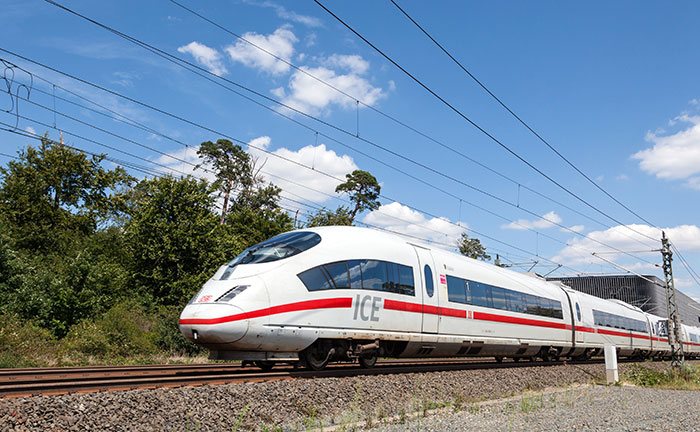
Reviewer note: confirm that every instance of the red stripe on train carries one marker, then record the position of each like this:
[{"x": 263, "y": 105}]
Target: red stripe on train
[
  {"x": 485, "y": 316},
  {"x": 343, "y": 302},
  {"x": 419, "y": 308}
]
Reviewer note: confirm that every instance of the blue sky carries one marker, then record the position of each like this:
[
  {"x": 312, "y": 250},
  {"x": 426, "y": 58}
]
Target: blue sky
[{"x": 612, "y": 85}]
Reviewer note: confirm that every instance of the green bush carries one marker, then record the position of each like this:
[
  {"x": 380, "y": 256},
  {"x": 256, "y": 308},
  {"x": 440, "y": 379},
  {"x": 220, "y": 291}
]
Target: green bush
[
  {"x": 687, "y": 377},
  {"x": 168, "y": 336},
  {"x": 124, "y": 330},
  {"x": 24, "y": 344}
]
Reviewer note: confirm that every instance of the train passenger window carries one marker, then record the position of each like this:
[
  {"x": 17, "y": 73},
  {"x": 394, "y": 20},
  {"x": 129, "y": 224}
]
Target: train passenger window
[
  {"x": 480, "y": 294},
  {"x": 428, "y": 274},
  {"x": 499, "y": 298},
  {"x": 373, "y": 275},
  {"x": 533, "y": 304},
  {"x": 393, "y": 284},
  {"x": 578, "y": 312},
  {"x": 456, "y": 289},
  {"x": 355, "y": 274},
  {"x": 338, "y": 273},
  {"x": 315, "y": 279},
  {"x": 406, "y": 280},
  {"x": 516, "y": 302}
]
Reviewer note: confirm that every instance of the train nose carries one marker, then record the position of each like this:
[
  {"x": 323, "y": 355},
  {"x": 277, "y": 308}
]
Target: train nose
[{"x": 213, "y": 324}]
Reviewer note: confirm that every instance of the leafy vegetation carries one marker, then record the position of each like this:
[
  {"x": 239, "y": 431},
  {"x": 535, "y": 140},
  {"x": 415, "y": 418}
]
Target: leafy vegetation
[
  {"x": 472, "y": 248},
  {"x": 685, "y": 378}
]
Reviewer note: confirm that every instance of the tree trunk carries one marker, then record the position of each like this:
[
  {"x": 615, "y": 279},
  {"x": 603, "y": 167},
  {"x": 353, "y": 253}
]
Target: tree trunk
[{"x": 224, "y": 208}]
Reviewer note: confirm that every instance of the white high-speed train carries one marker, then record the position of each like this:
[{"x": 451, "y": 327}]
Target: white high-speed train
[{"x": 347, "y": 293}]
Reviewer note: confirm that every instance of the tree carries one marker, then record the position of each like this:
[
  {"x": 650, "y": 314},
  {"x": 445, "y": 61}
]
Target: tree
[
  {"x": 257, "y": 216},
  {"x": 232, "y": 165},
  {"x": 324, "y": 217},
  {"x": 54, "y": 194},
  {"x": 174, "y": 237},
  {"x": 472, "y": 248},
  {"x": 363, "y": 189}
]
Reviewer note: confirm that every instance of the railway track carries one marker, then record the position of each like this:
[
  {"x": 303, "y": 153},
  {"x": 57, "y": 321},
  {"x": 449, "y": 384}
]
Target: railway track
[{"x": 54, "y": 381}]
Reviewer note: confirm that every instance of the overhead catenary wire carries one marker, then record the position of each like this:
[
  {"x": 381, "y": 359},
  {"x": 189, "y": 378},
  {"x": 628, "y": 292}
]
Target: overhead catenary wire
[
  {"x": 148, "y": 171},
  {"x": 10, "y": 128},
  {"x": 534, "y": 214},
  {"x": 396, "y": 120},
  {"x": 181, "y": 62},
  {"x": 469, "y": 120},
  {"x": 9, "y": 156},
  {"x": 192, "y": 164},
  {"x": 413, "y": 208},
  {"x": 689, "y": 269},
  {"x": 388, "y": 116},
  {"x": 516, "y": 116},
  {"x": 122, "y": 163},
  {"x": 158, "y": 110},
  {"x": 488, "y": 134}
]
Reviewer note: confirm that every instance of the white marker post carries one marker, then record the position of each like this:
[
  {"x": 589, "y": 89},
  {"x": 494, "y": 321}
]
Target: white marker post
[{"x": 611, "y": 364}]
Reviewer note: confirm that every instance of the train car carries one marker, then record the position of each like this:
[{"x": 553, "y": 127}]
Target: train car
[
  {"x": 691, "y": 341},
  {"x": 353, "y": 294}
]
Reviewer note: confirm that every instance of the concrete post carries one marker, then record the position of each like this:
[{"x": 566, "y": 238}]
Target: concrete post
[{"x": 611, "y": 364}]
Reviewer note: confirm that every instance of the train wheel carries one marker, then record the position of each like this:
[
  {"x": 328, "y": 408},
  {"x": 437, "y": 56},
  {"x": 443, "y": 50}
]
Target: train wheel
[
  {"x": 368, "y": 360},
  {"x": 499, "y": 359},
  {"x": 265, "y": 365},
  {"x": 317, "y": 356}
]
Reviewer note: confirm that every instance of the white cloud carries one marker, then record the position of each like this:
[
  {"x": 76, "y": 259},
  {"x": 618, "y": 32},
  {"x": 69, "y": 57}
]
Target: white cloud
[
  {"x": 353, "y": 63},
  {"x": 278, "y": 92},
  {"x": 309, "y": 95},
  {"x": 400, "y": 218},
  {"x": 622, "y": 177},
  {"x": 621, "y": 237},
  {"x": 693, "y": 183},
  {"x": 675, "y": 156},
  {"x": 318, "y": 157},
  {"x": 287, "y": 175},
  {"x": 205, "y": 56},
  {"x": 574, "y": 228},
  {"x": 124, "y": 79},
  {"x": 548, "y": 220},
  {"x": 30, "y": 129},
  {"x": 286, "y": 14},
  {"x": 280, "y": 43}
]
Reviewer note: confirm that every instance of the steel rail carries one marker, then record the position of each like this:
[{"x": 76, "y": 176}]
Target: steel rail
[{"x": 54, "y": 381}]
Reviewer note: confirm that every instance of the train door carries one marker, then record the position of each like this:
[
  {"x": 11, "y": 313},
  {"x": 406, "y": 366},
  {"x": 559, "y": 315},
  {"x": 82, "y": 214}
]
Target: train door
[
  {"x": 577, "y": 316},
  {"x": 429, "y": 292}
]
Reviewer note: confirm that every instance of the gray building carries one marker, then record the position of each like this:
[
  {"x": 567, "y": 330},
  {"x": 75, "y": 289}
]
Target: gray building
[{"x": 648, "y": 296}]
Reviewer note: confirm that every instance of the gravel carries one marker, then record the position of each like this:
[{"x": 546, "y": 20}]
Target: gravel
[
  {"x": 283, "y": 405},
  {"x": 595, "y": 408}
]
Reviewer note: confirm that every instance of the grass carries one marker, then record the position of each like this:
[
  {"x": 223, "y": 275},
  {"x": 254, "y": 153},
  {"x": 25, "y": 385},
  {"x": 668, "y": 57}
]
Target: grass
[{"x": 685, "y": 378}]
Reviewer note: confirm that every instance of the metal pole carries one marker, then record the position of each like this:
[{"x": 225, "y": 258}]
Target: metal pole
[{"x": 674, "y": 321}]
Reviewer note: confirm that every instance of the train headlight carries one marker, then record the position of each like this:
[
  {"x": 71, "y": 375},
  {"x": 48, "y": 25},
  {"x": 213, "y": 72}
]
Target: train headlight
[{"x": 232, "y": 293}]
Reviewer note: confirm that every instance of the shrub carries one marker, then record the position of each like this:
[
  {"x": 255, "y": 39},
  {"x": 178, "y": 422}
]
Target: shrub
[
  {"x": 124, "y": 330},
  {"x": 687, "y": 377},
  {"x": 24, "y": 344},
  {"x": 167, "y": 334}
]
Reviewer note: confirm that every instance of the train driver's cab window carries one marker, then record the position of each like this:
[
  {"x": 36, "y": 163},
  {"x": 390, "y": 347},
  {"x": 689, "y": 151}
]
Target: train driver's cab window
[{"x": 277, "y": 248}]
